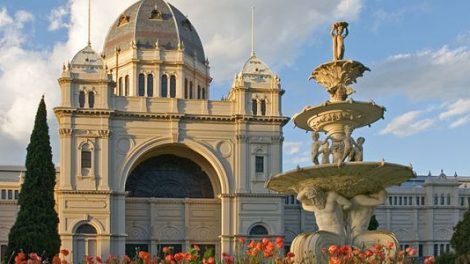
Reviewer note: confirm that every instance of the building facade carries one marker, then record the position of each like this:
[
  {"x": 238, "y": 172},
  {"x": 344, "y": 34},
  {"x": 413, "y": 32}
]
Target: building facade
[{"x": 147, "y": 160}]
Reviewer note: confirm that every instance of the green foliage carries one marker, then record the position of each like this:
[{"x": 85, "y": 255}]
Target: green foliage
[
  {"x": 460, "y": 240},
  {"x": 446, "y": 258},
  {"x": 373, "y": 223},
  {"x": 35, "y": 229}
]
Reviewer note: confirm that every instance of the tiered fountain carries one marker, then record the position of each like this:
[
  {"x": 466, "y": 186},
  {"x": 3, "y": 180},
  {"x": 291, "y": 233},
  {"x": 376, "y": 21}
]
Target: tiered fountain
[{"x": 340, "y": 188}]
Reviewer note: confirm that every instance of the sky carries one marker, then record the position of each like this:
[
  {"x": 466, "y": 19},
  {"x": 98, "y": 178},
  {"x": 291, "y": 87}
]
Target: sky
[{"x": 418, "y": 52}]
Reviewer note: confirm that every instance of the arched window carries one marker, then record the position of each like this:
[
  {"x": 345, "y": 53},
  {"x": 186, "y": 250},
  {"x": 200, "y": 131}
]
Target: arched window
[
  {"x": 203, "y": 93},
  {"x": 81, "y": 99},
  {"x": 191, "y": 90},
  {"x": 435, "y": 199},
  {"x": 84, "y": 242},
  {"x": 141, "y": 84},
  {"x": 150, "y": 85},
  {"x": 86, "y": 229},
  {"x": 448, "y": 199},
  {"x": 198, "y": 92},
  {"x": 263, "y": 107},
  {"x": 169, "y": 176},
  {"x": 258, "y": 230},
  {"x": 86, "y": 157},
  {"x": 186, "y": 92},
  {"x": 254, "y": 106},
  {"x": 164, "y": 88},
  {"x": 120, "y": 86},
  {"x": 91, "y": 99},
  {"x": 126, "y": 85},
  {"x": 172, "y": 86},
  {"x": 442, "y": 199}
]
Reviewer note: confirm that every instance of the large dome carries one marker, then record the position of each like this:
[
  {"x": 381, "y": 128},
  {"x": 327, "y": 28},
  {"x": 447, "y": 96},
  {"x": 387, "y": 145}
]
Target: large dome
[{"x": 148, "y": 21}]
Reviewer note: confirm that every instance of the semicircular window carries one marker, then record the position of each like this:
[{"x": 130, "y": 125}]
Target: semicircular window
[
  {"x": 169, "y": 176},
  {"x": 258, "y": 230}
]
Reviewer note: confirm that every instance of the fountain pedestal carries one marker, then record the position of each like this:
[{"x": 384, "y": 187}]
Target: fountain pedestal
[{"x": 340, "y": 188}]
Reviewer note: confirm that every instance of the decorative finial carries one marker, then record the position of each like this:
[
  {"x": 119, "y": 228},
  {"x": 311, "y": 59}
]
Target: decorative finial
[
  {"x": 339, "y": 31},
  {"x": 89, "y": 22},
  {"x": 252, "y": 31}
]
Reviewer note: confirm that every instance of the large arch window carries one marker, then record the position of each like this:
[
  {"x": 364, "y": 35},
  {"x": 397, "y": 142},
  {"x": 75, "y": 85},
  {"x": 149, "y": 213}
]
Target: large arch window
[
  {"x": 164, "y": 86},
  {"x": 141, "y": 84},
  {"x": 150, "y": 85},
  {"x": 126, "y": 85},
  {"x": 258, "y": 230},
  {"x": 172, "y": 86},
  {"x": 81, "y": 99},
  {"x": 169, "y": 176},
  {"x": 84, "y": 242}
]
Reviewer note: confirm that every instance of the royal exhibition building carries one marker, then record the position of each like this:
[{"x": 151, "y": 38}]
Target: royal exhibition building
[{"x": 147, "y": 159}]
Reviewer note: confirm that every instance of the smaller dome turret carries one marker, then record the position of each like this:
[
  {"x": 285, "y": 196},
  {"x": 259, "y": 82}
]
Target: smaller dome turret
[{"x": 87, "y": 60}]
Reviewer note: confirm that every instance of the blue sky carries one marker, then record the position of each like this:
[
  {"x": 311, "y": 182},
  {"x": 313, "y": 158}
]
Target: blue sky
[{"x": 418, "y": 51}]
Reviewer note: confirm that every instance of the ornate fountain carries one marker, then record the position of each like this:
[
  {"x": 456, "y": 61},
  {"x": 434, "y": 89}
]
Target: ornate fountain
[{"x": 340, "y": 188}]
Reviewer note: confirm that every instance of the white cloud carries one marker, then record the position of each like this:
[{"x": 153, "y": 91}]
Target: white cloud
[
  {"x": 5, "y": 19},
  {"x": 407, "y": 124},
  {"x": 57, "y": 18},
  {"x": 460, "y": 122},
  {"x": 430, "y": 74},
  {"x": 460, "y": 107},
  {"x": 292, "y": 148}
]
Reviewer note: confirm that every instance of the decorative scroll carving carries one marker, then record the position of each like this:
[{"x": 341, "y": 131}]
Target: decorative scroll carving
[{"x": 65, "y": 132}]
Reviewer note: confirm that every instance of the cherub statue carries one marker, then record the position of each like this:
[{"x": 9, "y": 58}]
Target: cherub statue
[
  {"x": 358, "y": 150},
  {"x": 337, "y": 148},
  {"x": 325, "y": 151},
  {"x": 316, "y": 147},
  {"x": 328, "y": 208},
  {"x": 339, "y": 31},
  {"x": 348, "y": 144}
]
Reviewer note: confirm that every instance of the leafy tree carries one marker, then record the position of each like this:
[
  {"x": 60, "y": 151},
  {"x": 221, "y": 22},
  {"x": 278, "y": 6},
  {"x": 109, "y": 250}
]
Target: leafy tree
[
  {"x": 446, "y": 258},
  {"x": 373, "y": 223},
  {"x": 35, "y": 229},
  {"x": 460, "y": 240}
]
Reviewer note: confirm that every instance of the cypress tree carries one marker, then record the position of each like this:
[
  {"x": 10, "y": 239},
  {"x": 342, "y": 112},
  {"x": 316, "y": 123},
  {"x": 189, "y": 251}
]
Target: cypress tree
[{"x": 35, "y": 228}]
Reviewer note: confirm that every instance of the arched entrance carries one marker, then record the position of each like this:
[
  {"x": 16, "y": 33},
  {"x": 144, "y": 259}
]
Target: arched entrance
[
  {"x": 171, "y": 200},
  {"x": 84, "y": 242}
]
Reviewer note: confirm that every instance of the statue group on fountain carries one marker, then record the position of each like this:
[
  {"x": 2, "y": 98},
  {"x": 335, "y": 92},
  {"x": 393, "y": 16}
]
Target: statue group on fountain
[
  {"x": 336, "y": 214},
  {"x": 343, "y": 150}
]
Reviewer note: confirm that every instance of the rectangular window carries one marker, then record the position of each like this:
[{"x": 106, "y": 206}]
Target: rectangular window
[
  {"x": 411, "y": 200},
  {"x": 175, "y": 248},
  {"x": 422, "y": 200},
  {"x": 441, "y": 249},
  {"x": 394, "y": 200},
  {"x": 447, "y": 247},
  {"x": 16, "y": 194},
  {"x": 133, "y": 249},
  {"x": 417, "y": 200},
  {"x": 10, "y": 194},
  {"x": 436, "y": 200},
  {"x": 86, "y": 159},
  {"x": 462, "y": 200},
  {"x": 405, "y": 202},
  {"x": 436, "y": 250},
  {"x": 4, "y": 194},
  {"x": 254, "y": 106},
  {"x": 420, "y": 250},
  {"x": 400, "y": 200},
  {"x": 390, "y": 200},
  {"x": 3, "y": 252},
  {"x": 259, "y": 164}
]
